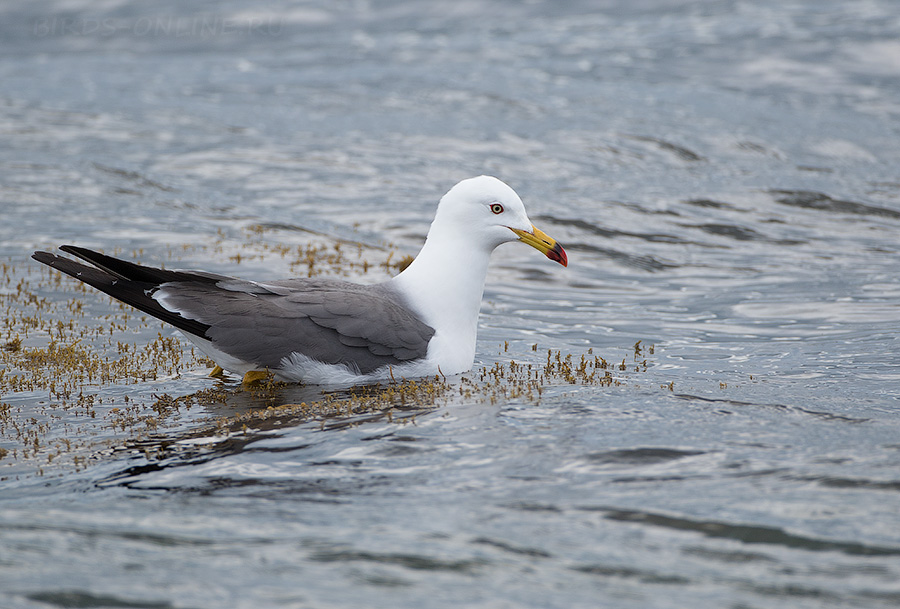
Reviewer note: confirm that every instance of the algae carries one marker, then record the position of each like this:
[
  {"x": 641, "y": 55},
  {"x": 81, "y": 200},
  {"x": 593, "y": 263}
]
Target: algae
[{"x": 82, "y": 374}]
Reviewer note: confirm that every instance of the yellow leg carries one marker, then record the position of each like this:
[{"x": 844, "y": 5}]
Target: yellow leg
[
  {"x": 254, "y": 376},
  {"x": 217, "y": 371}
]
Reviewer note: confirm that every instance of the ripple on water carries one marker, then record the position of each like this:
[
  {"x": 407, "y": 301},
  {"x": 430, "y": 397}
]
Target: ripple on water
[{"x": 724, "y": 181}]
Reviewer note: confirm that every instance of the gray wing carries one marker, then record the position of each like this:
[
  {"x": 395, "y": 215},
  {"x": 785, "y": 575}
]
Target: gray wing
[{"x": 335, "y": 322}]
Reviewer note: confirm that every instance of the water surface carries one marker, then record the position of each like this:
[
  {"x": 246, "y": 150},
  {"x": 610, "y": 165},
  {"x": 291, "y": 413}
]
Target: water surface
[{"x": 723, "y": 176}]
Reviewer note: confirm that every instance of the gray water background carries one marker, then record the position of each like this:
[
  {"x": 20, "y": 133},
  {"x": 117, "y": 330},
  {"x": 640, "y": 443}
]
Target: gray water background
[{"x": 724, "y": 177}]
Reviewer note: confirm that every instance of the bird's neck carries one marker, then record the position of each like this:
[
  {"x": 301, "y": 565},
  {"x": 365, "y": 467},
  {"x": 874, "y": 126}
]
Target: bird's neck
[{"x": 445, "y": 284}]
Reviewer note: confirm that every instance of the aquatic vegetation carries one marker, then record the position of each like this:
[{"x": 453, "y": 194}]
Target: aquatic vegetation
[
  {"x": 400, "y": 401},
  {"x": 317, "y": 254},
  {"x": 103, "y": 375},
  {"x": 65, "y": 356}
]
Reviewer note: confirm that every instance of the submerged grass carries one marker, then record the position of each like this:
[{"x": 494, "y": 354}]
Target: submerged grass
[
  {"x": 398, "y": 402},
  {"x": 80, "y": 372}
]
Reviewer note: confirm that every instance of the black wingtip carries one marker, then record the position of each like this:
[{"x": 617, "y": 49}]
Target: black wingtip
[
  {"x": 101, "y": 261},
  {"x": 81, "y": 252},
  {"x": 44, "y": 256},
  {"x": 131, "y": 283},
  {"x": 49, "y": 258}
]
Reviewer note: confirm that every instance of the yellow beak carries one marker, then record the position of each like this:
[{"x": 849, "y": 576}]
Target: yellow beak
[{"x": 543, "y": 243}]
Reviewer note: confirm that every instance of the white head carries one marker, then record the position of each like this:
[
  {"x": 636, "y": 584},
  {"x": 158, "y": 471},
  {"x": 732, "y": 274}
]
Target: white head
[
  {"x": 445, "y": 283},
  {"x": 484, "y": 212}
]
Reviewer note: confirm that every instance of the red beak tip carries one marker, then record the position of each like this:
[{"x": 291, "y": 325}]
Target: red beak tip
[{"x": 558, "y": 254}]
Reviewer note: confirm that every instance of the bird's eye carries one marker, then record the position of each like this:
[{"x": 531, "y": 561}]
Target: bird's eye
[{"x": 496, "y": 208}]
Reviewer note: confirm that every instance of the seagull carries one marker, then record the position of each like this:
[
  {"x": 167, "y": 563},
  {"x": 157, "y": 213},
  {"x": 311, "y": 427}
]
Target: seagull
[{"x": 422, "y": 322}]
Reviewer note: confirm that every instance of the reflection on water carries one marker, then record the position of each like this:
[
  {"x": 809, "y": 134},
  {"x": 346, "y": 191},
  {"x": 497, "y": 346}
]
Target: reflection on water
[{"x": 723, "y": 177}]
